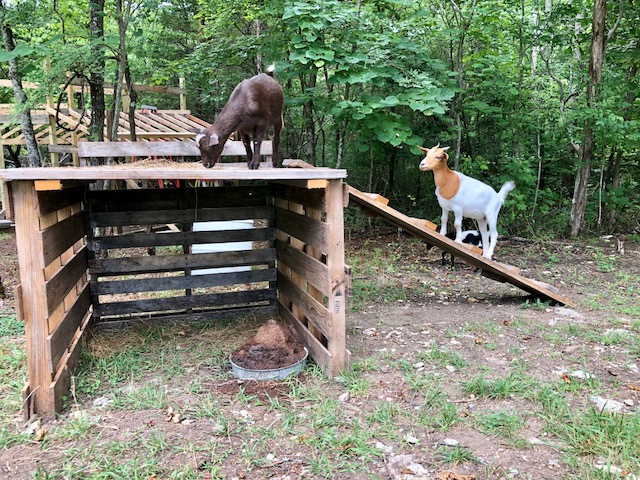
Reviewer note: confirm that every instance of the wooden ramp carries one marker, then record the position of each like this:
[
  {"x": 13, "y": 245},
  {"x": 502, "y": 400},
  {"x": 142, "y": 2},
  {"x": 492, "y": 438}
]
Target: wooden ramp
[{"x": 426, "y": 230}]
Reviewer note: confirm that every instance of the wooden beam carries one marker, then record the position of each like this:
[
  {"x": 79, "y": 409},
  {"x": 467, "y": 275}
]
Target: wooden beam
[{"x": 187, "y": 171}]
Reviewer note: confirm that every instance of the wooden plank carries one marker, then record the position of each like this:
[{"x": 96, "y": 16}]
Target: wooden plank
[
  {"x": 208, "y": 300},
  {"x": 336, "y": 298},
  {"x": 309, "y": 184},
  {"x": 153, "y": 217},
  {"x": 167, "y": 263},
  {"x": 46, "y": 185},
  {"x": 296, "y": 163},
  {"x": 180, "y": 283},
  {"x": 17, "y": 302},
  {"x": 314, "y": 311},
  {"x": 303, "y": 228},
  {"x": 314, "y": 271},
  {"x": 317, "y": 351},
  {"x": 175, "y": 238},
  {"x": 7, "y": 202},
  {"x": 32, "y": 267},
  {"x": 191, "y": 198},
  {"x": 309, "y": 198},
  {"x": 226, "y": 314},
  {"x": 61, "y": 236},
  {"x": 188, "y": 148},
  {"x": 52, "y": 201},
  {"x": 490, "y": 268},
  {"x": 59, "y": 340},
  {"x": 62, "y": 148},
  {"x": 181, "y": 171},
  {"x": 377, "y": 198},
  {"x": 65, "y": 280},
  {"x": 62, "y": 381}
]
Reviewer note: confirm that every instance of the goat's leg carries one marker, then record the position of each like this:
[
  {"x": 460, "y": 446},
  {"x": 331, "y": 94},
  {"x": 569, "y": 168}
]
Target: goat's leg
[
  {"x": 246, "y": 140},
  {"x": 493, "y": 233},
  {"x": 275, "y": 155},
  {"x": 457, "y": 223},
  {"x": 484, "y": 232},
  {"x": 443, "y": 222},
  {"x": 257, "y": 141}
]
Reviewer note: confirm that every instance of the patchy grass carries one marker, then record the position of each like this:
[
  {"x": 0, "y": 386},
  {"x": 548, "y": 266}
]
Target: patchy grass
[{"x": 437, "y": 355}]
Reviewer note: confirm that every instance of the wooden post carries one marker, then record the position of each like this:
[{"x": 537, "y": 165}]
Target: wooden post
[
  {"x": 183, "y": 96},
  {"x": 32, "y": 282},
  {"x": 53, "y": 137},
  {"x": 74, "y": 134},
  {"x": 335, "y": 261}
]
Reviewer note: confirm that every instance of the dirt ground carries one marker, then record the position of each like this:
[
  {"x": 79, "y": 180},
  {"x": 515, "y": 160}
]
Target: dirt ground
[{"x": 407, "y": 303}]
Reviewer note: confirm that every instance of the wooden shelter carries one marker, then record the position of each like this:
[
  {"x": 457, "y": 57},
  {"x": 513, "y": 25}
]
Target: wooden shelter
[{"x": 296, "y": 266}]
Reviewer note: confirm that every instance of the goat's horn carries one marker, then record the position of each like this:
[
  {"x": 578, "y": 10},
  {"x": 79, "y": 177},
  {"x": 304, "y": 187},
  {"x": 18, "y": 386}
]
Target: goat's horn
[
  {"x": 444, "y": 149},
  {"x": 437, "y": 146}
]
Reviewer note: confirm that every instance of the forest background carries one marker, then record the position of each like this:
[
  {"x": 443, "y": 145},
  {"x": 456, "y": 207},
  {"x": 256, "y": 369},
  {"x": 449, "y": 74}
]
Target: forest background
[{"x": 543, "y": 92}]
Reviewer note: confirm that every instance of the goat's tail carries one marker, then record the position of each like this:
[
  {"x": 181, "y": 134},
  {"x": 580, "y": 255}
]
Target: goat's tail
[
  {"x": 271, "y": 71},
  {"x": 506, "y": 188}
]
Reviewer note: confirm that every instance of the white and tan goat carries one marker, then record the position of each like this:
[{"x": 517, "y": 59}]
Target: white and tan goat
[{"x": 465, "y": 197}]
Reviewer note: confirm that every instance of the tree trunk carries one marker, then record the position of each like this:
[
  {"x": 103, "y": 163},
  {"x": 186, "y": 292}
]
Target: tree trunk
[
  {"x": 617, "y": 162},
  {"x": 596, "y": 61},
  {"x": 96, "y": 74},
  {"x": 307, "y": 112},
  {"x": 33, "y": 153}
]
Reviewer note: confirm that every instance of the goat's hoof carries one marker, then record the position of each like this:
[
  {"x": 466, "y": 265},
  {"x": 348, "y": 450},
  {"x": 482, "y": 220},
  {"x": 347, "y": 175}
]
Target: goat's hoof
[{"x": 254, "y": 166}]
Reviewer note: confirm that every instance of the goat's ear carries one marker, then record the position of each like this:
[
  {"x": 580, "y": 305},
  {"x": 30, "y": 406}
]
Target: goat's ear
[
  {"x": 213, "y": 139},
  {"x": 199, "y": 137},
  {"x": 424, "y": 150}
]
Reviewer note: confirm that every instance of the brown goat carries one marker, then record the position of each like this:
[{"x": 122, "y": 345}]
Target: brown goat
[{"x": 254, "y": 105}]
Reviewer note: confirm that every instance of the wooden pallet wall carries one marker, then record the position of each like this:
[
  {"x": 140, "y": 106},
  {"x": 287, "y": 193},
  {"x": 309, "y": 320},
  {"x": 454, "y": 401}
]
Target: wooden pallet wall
[
  {"x": 147, "y": 275},
  {"x": 311, "y": 272},
  {"x": 53, "y": 297}
]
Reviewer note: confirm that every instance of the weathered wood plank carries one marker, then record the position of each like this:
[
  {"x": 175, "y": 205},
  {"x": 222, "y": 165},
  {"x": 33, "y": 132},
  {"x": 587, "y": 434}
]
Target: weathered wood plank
[
  {"x": 303, "y": 228},
  {"x": 207, "y": 300},
  {"x": 61, "y": 236},
  {"x": 187, "y": 148},
  {"x": 314, "y": 311},
  {"x": 65, "y": 279},
  {"x": 51, "y": 201},
  {"x": 226, "y": 314},
  {"x": 317, "y": 351},
  {"x": 336, "y": 299},
  {"x": 169, "y": 199},
  {"x": 181, "y": 238},
  {"x": 61, "y": 337},
  {"x": 180, "y": 216},
  {"x": 314, "y": 271},
  {"x": 313, "y": 198},
  {"x": 180, "y": 171},
  {"x": 182, "y": 282},
  {"x": 167, "y": 263},
  {"x": 62, "y": 381},
  {"x": 32, "y": 266}
]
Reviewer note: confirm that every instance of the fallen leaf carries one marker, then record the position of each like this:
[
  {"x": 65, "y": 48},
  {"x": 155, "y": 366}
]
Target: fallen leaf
[
  {"x": 40, "y": 434},
  {"x": 566, "y": 378},
  {"x": 634, "y": 387},
  {"x": 507, "y": 322},
  {"x": 454, "y": 476}
]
